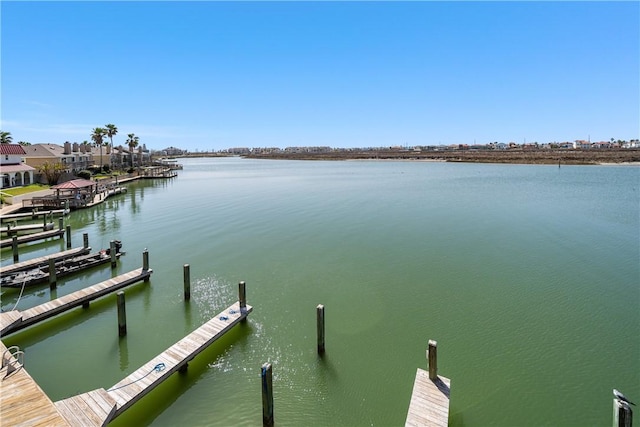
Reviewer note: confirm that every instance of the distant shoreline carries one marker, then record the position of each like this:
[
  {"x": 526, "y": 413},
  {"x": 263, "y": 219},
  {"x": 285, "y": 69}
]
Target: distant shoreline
[{"x": 626, "y": 157}]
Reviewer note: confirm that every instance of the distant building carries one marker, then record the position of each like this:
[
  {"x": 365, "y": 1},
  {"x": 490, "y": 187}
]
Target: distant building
[{"x": 173, "y": 151}]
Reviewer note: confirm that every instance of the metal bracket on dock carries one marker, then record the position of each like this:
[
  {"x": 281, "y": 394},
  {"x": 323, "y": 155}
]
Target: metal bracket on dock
[{"x": 13, "y": 360}]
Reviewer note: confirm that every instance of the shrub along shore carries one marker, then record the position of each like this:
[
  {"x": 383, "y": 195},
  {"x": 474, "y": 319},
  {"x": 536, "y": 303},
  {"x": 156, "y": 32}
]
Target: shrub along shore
[{"x": 569, "y": 157}]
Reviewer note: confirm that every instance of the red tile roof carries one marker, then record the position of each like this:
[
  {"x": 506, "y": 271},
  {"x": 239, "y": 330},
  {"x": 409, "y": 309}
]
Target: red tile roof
[
  {"x": 12, "y": 149},
  {"x": 76, "y": 183}
]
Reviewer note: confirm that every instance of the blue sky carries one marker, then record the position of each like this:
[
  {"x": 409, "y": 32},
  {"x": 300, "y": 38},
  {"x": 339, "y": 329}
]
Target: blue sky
[{"x": 214, "y": 75}]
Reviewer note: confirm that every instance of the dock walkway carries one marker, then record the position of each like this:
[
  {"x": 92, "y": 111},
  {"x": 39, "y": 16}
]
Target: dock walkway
[
  {"x": 13, "y": 321},
  {"x": 32, "y": 237},
  {"x": 32, "y": 215},
  {"x": 11, "y": 230},
  {"x": 43, "y": 260},
  {"x": 99, "y": 407},
  {"x": 23, "y": 402},
  {"x": 430, "y": 397}
]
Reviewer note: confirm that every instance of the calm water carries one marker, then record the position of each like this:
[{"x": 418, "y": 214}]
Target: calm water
[{"x": 527, "y": 276}]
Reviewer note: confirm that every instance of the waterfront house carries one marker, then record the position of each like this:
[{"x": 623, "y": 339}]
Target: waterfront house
[
  {"x": 74, "y": 157},
  {"x": 14, "y": 171}
]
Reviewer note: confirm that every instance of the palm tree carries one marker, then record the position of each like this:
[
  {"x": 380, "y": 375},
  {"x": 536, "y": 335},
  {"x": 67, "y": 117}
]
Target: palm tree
[
  {"x": 97, "y": 136},
  {"x": 5, "y": 137},
  {"x": 111, "y": 130},
  {"x": 132, "y": 142}
]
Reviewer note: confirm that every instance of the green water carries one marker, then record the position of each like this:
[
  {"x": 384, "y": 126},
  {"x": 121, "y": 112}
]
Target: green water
[{"x": 527, "y": 276}]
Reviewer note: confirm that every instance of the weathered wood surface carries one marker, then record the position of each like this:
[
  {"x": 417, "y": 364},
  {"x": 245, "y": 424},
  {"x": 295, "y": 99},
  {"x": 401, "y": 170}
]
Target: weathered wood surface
[
  {"x": 32, "y": 237},
  {"x": 142, "y": 381},
  {"x": 26, "y": 227},
  {"x": 9, "y": 324},
  {"x": 43, "y": 260},
  {"x": 99, "y": 407},
  {"x": 23, "y": 402},
  {"x": 429, "y": 401},
  {"x": 95, "y": 408},
  {"x": 33, "y": 215}
]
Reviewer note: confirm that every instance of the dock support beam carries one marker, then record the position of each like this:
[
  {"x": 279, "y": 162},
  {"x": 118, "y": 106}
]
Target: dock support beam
[
  {"x": 432, "y": 355},
  {"x": 320, "y": 321},
  {"x": 68, "y": 236},
  {"x": 622, "y": 414},
  {"x": 85, "y": 240},
  {"x": 267, "y": 395},
  {"x": 122, "y": 315},
  {"x": 52, "y": 273},
  {"x": 187, "y": 281},
  {"x": 14, "y": 248},
  {"x": 60, "y": 222}
]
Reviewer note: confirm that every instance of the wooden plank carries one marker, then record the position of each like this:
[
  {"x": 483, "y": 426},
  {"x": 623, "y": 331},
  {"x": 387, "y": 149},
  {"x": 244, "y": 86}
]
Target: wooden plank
[
  {"x": 23, "y": 401},
  {"x": 43, "y": 260},
  {"x": 8, "y": 319},
  {"x": 429, "y": 405},
  {"x": 60, "y": 305},
  {"x": 32, "y": 237},
  {"x": 139, "y": 383}
]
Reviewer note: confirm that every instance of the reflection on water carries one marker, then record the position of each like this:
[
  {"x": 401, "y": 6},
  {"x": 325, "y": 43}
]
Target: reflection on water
[{"x": 516, "y": 270}]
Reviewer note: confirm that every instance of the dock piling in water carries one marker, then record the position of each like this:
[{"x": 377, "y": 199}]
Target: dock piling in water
[
  {"x": 267, "y": 395},
  {"x": 622, "y": 414},
  {"x": 112, "y": 252},
  {"x": 68, "y": 236},
  {"x": 145, "y": 260},
  {"x": 187, "y": 281},
  {"x": 320, "y": 322},
  {"x": 85, "y": 240},
  {"x": 432, "y": 356},
  {"x": 14, "y": 248},
  {"x": 52, "y": 273},
  {"x": 122, "y": 315},
  {"x": 242, "y": 294},
  {"x": 242, "y": 298}
]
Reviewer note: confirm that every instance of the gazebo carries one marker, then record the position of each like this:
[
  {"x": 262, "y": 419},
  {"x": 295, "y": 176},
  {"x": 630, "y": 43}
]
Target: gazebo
[{"x": 79, "y": 192}]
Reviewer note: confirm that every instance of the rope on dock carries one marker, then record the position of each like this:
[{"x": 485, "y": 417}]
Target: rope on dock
[
  {"x": 158, "y": 368},
  {"x": 24, "y": 282}
]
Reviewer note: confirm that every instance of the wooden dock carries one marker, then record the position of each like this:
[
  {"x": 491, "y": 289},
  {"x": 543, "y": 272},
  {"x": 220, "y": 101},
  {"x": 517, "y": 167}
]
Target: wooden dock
[
  {"x": 13, "y": 321},
  {"x": 33, "y": 215},
  {"x": 43, "y": 261},
  {"x": 99, "y": 407},
  {"x": 23, "y": 402},
  {"x": 10, "y": 230},
  {"x": 32, "y": 237},
  {"x": 430, "y": 397}
]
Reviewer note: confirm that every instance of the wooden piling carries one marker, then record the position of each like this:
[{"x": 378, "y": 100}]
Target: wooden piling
[
  {"x": 85, "y": 240},
  {"x": 60, "y": 222},
  {"x": 68, "y": 236},
  {"x": 320, "y": 322},
  {"x": 52, "y": 273},
  {"x": 622, "y": 414},
  {"x": 122, "y": 315},
  {"x": 112, "y": 252},
  {"x": 432, "y": 355},
  {"x": 267, "y": 395},
  {"x": 187, "y": 281},
  {"x": 145, "y": 260},
  {"x": 14, "y": 248},
  {"x": 242, "y": 299}
]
